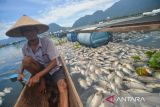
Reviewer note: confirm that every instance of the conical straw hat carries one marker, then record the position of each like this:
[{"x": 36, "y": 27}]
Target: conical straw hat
[{"x": 26, "y": 21}]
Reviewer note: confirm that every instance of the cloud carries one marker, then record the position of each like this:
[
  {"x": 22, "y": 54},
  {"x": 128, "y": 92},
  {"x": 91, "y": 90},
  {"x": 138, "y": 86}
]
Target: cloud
[
  {"x": 3, "y": 28},
  {"x": 63, "y": 12},
  {"x": 70, "y": 11}
]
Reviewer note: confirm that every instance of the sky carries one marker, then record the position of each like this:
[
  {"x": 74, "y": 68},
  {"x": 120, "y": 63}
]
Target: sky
[{"x": 62, "y": 12}]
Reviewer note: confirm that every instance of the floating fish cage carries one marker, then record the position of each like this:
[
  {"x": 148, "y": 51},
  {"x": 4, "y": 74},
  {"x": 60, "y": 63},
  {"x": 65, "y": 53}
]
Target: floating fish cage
[
  {"x": 72, "y": 36},
  {"x": 94, "y": 39},
  {"x": 60, "y": 34}
]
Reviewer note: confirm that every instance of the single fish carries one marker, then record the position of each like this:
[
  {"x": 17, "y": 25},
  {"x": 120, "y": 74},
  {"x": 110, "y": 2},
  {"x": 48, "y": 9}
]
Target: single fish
[
  {"x": 127, "y": 71},
  {"x": 147, "y": 79},
  {"x": 153, "y": 85},
  {"x": 89, "y": 100},
  {"x": 92, "y": 68},
  {"x": 132, "y": 79},
  {"x": 98, "y": 71},
  {"x": 93, "y": 76},
  {"x": 119, "y": 73},
  {"x": 137, "y": 91},
  {"x": 100, "y": 89},
  {"x": 105, "y": 71},
  {"x": 83, "y": 83},
  {"x": 113, "y": 87},
  {"x": 89, "y": 81},
  {"x": 96, "y": 99},
  {"x": 131, "y": 84},
  {"x": 129, "y": 66},
  {"x": 118, "y": 81},
  {"x": 2, "y": 94},
  {"x": 111, "y": 76},
  {"x": 7, "y": 90}
]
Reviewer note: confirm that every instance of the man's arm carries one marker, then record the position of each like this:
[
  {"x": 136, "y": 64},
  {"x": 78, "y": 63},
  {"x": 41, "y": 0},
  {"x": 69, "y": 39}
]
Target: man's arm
[
  {"x": 42, "y": 73},
  {"x": 45, "y": 71}
]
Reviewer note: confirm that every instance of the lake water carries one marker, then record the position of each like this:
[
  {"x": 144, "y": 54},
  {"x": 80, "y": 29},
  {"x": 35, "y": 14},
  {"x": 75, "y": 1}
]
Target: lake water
[{"x": 10, "y": 60}]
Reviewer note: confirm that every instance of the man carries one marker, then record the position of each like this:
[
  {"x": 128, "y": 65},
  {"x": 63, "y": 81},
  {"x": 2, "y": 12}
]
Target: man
[{"x": 41, "y": 57}]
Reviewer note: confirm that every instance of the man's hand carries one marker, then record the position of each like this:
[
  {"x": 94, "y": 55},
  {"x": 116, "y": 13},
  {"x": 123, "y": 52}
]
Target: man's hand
[
  {"x": 33, "y": 80},
  {"x": 20, "y": 77}
]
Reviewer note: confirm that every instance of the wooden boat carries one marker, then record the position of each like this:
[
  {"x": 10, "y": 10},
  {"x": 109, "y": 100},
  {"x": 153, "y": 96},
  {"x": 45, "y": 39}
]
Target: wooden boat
[{"x": 29, "y": 98}]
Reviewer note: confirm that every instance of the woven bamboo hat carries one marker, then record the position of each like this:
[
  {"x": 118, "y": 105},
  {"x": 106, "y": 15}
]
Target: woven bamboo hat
[{"x": 25, "y": 21}]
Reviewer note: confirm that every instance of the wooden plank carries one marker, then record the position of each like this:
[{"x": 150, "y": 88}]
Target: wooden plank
[
  {"x": 74, "y": 99},
  {"x": 150, "y": 26}
]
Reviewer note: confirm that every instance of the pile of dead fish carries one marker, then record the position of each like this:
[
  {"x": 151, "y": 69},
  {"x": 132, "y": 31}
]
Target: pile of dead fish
[
  {"x": 124, "y": 37},
  {"x": 108, "y": 70}
]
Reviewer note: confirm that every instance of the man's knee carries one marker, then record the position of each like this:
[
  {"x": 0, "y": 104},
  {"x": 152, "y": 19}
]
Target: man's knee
[
  {"x": 27, "y": 61},
  {"x": 62, "y": 86}
]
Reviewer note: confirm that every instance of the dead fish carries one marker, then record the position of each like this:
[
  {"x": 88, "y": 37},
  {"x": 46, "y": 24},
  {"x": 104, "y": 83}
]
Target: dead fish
[
  {"x": 103, "y": 83},
  {"x": 75, "y": 72},
  {"x": 153, "y": 85},
  {"x": 156, "y": 75},
  {"x": 7, "y": 90},
  {"x": 105, "y": 71},
  {"x": 115, "y": 63},
  {"x": 83, "y": 83},
  {"x": 129, "y": 66},
  {"x": 119, "y": 67},
  {"x": 107, "y": 62},
  {"x": 119, "y": 73},
  {"x": 111, "y": 76},
  {"x": 132, "y": 79},
  {"x": 98, "y": 71},
  {"x": 89, "y": 100},
  {"x": 77, "y": 68},
  {"x": 113, "y": 87},
  {"x": 117, "y": 91},
  {"x": 100, "y": 89},
  {"x": 112, "y": 59},
  {"x": 131, "y": 84},
  {"x": 96, "y": 99},
  {"x": 127, "y": 71},
  {"x": 89, "y": 81},
  {"x": 2, "y": 94},
  {"x": 108, "y": 68},
  {"x": 147, "y": 79},
  {"x": 83, "y": 72},
  {"x": 92, "y": 68},
  {"x": 83, "y": 62},
  {"x": 100, "y": 58},
  {"x": 118, "y": 81},
  {"x": 137, "y": 91},
  {"x": 121, "y": 54},
  {"x": 93, "y": 76}
]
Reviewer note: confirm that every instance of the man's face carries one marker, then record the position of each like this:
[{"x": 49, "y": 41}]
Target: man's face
[{"x": 30, "y": 33}]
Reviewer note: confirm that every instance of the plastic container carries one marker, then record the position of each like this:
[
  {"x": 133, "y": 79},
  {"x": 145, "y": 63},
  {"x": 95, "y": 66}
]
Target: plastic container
[
  {"x": 72, "y": 36},
  {"x": 94, "y": 39}
]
